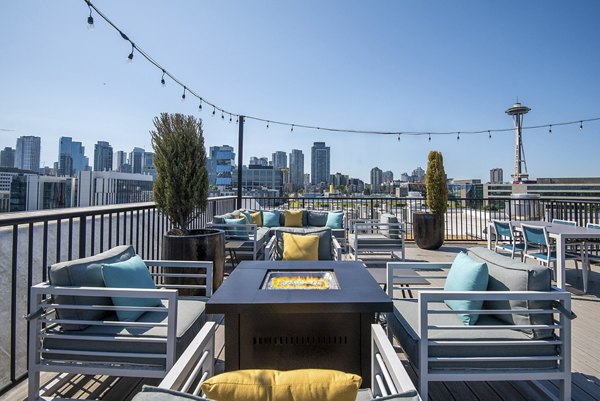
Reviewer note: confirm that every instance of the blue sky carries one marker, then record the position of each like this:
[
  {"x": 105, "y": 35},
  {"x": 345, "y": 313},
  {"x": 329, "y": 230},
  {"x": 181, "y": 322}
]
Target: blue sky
[{"x": 433, "y": 65}]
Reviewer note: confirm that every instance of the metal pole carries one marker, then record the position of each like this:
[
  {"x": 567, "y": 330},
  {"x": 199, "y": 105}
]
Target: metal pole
[{"x": 240, "y": 159}]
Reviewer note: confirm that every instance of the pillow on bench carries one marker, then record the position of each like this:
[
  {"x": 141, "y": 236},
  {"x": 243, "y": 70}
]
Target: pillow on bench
[
  {"x": 324, "y": 234},
  {"x": 466, "y": 275},
  {"x": 507, "y": 274},
  {"x": 275, "y": 385}
]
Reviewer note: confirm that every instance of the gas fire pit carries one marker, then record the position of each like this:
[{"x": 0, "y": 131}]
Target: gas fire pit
[{"x": 292, "y": 315}]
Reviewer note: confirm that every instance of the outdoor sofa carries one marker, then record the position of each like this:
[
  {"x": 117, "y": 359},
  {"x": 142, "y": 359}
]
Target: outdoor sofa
[
  {"x": 523, "y": 331},
  {"x": 255, "y": 234},
  {"x": 79, "y": 325},
  {"x": 388, "y": 377},
  {"x": 373, "y": 236}
]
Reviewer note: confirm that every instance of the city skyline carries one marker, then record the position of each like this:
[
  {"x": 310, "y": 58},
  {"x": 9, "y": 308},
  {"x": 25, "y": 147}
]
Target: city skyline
[{"x": 389, "y": 66}]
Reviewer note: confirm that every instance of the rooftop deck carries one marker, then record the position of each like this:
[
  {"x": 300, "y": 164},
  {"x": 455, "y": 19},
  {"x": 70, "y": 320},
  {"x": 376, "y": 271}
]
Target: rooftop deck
[{"x": 586, "y": 353}]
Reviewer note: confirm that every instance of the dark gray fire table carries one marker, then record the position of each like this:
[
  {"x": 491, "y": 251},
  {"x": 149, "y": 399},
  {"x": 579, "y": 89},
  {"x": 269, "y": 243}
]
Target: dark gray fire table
[{"x": 293, "y": 329}]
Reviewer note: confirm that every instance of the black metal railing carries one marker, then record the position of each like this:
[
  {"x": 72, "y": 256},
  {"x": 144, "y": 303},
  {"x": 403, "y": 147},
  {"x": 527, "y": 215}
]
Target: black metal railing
[{"x": 32, "y": 241}]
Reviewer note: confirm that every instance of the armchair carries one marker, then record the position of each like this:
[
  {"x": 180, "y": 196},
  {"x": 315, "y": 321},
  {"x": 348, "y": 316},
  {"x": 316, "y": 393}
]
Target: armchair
[{"x": 376, "y": 236}]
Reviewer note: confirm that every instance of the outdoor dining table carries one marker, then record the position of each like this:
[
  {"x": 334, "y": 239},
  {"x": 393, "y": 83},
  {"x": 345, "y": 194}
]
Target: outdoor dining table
[{"x": 561, "y": 233}]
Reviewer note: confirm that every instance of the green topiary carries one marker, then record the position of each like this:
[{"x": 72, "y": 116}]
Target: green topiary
[
  {"x": 181, "y": 186},
  {"x": 435, "y": 183}
]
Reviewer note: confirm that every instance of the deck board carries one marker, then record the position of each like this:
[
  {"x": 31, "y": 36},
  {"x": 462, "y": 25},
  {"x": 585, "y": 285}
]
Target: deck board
[{"x": 585, "y": 361}]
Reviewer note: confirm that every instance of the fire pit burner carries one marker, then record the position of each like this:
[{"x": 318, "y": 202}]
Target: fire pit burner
[{"x": 299, "y": 280}]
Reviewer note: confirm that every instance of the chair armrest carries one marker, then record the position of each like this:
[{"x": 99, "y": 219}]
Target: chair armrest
[
  {"x": 388, "y": 375},
  {"x": 182, "y": 269},
  {"x": 336, "y": 248},
  {"x": 195, "y": 365},
  {"x": 270, "y": 249}
]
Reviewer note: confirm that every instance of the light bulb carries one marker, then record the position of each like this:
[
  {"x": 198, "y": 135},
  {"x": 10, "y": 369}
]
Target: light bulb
[
  {"x": 90, "y": 23},
  {"x": 130, "y": 58}
]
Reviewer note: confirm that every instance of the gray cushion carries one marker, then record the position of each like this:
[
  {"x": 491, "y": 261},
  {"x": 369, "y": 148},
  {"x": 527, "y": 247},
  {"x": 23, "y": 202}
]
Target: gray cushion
[
  {"x": 373, "y": 241},
  {"x": 85, "y": 272},
  {"x": 324, "y": 234},
  {"x": 151, "y": 393},
  {"x": 393, "y": 233},
  {"x": 190, "y": 318},
  {"x": 507, "y": 274},
  {"x": 404, "y": 324},
  {"x": 317, "y": 219}
]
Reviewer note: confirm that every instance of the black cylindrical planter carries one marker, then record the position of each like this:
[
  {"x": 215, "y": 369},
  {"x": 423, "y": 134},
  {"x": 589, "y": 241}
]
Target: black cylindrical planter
[
  {"x": 429, "y": 230},
  {"x": 205, "y": 244}
]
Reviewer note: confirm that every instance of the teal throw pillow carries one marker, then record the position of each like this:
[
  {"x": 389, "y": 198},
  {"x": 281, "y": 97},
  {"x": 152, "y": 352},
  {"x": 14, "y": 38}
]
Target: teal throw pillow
[
  {"x": 237, "y": 233},
  {"x": 271, "y": 219},
  {"x": 335, "y": 220},
  {"x": 466, "y": 275},
  {"x": 131, "y": 273},
  {"x": 246, "y": 215}
]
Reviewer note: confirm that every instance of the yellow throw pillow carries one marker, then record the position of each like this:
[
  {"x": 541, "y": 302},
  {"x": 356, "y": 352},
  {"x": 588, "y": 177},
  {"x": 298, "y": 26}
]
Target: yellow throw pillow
[
  {"x": 256, "y": 218},
  {"x": 300, "y": 247},
  {"x": 293, "y": 218},
  {"x": 275, "y": 385}
]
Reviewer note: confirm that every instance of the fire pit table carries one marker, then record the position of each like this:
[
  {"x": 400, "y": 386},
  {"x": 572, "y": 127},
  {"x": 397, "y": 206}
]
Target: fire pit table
[{"x": 291, "y": 315}]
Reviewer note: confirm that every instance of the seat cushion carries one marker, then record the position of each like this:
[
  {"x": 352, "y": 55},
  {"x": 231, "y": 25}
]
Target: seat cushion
[
  {"x": 404, "y": 324},
  {"x": 466, "y": 275},
  {"x": 151, "y": 393},
  {"x": 291, "y": 385},
  {"x": 190, "y": 318},
  {"x": 85, "y": 272},
  {"x": 132, "y": 273},
  {"x": 507, "y": 274}
]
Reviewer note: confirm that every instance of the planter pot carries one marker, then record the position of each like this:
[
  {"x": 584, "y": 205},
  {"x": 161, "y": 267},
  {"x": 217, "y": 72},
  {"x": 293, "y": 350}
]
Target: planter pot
[
  {"x": 429, "y": 230},
  {"x": 205, "y": 244}
]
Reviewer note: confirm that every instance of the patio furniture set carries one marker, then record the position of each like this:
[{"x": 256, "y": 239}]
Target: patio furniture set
[{"x": 502, "y": 321}]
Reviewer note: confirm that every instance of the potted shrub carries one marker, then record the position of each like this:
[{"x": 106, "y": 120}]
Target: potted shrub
[
  {"x": 429, "y": 226},
  {"x": 181, "y": 191}
]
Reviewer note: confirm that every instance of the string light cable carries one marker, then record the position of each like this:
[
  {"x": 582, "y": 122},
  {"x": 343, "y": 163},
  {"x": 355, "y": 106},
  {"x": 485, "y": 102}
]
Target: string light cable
[{"x": 187, "y": 90}]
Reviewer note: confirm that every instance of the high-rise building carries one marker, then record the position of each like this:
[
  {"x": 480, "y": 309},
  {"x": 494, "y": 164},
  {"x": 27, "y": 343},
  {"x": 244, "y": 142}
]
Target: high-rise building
[
  {"x": 319, "y": 165},
  {"x": 388, "y": 176},
  {"x": 136, "y": 160},
  {"x": 376, "y": 179},
  {"x": 7, "y": 157},
  {"x": 258, "y": 161},
  {"x": 297, "y": 169},
  {"x": 119, "y": 159},
  {"x": 220, "y": 164},
  {"x": 103, "y": 156},
  {"x": 71, "y": 157},
  {"x": 418, "y": 174},
  {"x": 496, "y": 176},
  {"x": 109, "y": 188},
  {"x": 279, "y": 160},
  {"x": 27, "y": 154},
  {"x": 258, "y": 177}
]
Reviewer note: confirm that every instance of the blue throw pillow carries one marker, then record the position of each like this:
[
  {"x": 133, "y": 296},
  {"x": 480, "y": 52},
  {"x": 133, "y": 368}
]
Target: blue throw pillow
[
  {"x": 246, "y": 214},
  {"x": 238, "y": 233},
  {"x": 466, "y": 275},
  {"x": 271, "y": 219},
  {"x": 132, "y": 273},
  {"x": 335, "y": 219}
]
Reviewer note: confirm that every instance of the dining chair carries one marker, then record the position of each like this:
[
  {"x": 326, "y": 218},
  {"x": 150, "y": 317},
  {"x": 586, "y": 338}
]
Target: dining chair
[
  {"x": 565, "y": 222},
  {"x": 592, "y": 256},
  {"x": 506, "y": 240},
  {"x": 536, "y": 238}
]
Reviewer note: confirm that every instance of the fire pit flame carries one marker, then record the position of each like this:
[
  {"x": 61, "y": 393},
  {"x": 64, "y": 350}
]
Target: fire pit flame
[{"x": 300, "y": 280}]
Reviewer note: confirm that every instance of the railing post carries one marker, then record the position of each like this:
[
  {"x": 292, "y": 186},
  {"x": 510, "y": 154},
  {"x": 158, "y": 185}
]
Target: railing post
[{"x": 82, "y": 236}]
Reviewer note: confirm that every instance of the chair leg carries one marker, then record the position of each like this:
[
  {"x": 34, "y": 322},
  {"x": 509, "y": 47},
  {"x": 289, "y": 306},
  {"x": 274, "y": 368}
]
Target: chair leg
[
  {"x": 33, "y": 385},
  {"x": 423, "y": 386}
]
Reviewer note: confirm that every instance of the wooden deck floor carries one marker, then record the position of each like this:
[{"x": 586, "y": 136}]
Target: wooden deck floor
[{"x": 585, "y": 361}]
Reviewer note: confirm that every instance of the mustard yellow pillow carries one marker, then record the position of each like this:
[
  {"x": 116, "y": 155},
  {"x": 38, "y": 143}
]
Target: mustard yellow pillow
[
  {"x": 275, "y": 385},
  {"x": 300, "y": 247},
  {"x": 256, "y": 218},
  {"x": 293, "y": 218}
]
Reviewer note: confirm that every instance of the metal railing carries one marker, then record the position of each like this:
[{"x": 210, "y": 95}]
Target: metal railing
[{"x": 30, "y": 242}]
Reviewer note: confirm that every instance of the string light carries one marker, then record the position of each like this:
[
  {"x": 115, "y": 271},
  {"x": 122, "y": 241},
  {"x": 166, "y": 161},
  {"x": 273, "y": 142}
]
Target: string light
[
  {"x": 490, "y": 134},
  {"x": 236, "y": 119},
  {"x": 183, "y": 96},
  {"x": 550, "y": 129},
  {"x": 162, "y": 79},
  {"x": 222, "y": 115},
  {"x": 458, "y": 136},
  {"x": 165, "y": 72},
  {"x": 130, "y": 57},
  {"x": 229, "y": 117},
  {"x": 398, "y": 137},
  {"x": 90, "y": 19},
  {"x": 200, "y": 105}
]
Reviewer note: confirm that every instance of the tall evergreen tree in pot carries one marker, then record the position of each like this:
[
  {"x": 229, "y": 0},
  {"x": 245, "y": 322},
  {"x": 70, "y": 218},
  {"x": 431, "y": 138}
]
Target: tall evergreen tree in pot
[
  {"x": 429, "y": 227},
  {"x": 181, "y": 191}
]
